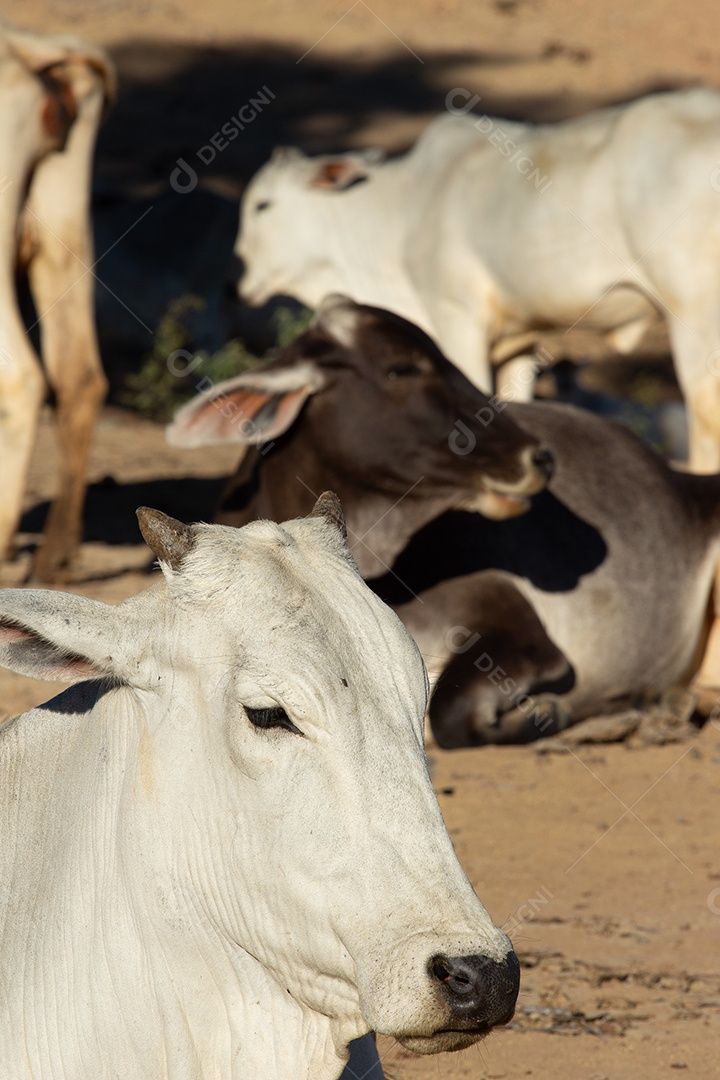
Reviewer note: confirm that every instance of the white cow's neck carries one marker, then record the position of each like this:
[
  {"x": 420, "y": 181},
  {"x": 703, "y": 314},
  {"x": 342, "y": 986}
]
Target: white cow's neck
[{"x": 114, "y": 914}]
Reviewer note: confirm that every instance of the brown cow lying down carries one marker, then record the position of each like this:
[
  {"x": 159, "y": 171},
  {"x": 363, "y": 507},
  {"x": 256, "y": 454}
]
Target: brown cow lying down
[{"x": 596, "y": 595}]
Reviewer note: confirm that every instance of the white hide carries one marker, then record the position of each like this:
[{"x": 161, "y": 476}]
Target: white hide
[
  {"x": 186, "y": 897},
  {"x": 488, "y": 229}
]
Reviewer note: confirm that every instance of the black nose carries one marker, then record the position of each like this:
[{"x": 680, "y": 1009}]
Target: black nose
[
  {"x": 544, "y": 461},
  {"x": 481, "y": 992}
]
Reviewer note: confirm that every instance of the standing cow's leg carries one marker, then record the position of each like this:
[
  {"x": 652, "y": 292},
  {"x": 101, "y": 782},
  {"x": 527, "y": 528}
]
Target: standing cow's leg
[
  {"x": 460, "y": 314},
  {"x": 515, "y": 378},
  {"x": 695, "y": 342},
  {"x": 61, "y": 280},
  {"x": 21, "y": 383}
]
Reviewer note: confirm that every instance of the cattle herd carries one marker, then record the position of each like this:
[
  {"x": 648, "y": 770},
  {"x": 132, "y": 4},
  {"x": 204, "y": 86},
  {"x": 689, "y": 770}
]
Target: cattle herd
[{"x": 222, "y": 854}]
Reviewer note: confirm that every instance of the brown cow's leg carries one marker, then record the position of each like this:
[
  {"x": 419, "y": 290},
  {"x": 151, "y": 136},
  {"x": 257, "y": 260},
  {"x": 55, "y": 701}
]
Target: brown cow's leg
[
  {"x": 62, "y": 284},
  {"x": 487, "y": 692}
]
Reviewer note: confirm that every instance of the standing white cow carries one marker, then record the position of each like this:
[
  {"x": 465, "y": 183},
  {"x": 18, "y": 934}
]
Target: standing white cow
[
  {"x": 488, "y": 230},
  {"x": 222, "y": 856},
  {"x": 53, "y": 91}
]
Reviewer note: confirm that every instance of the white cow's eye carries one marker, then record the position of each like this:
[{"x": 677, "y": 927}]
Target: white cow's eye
[
  {"x": 274, "y": 717},
  {"x": 262, "y": 205}
]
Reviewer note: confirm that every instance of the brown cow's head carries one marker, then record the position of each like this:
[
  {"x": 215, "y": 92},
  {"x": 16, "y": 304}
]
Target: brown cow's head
[{"x": 364, "y": 402}]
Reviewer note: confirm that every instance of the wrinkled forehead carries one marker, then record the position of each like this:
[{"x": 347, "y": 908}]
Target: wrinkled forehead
[{"x": 294, "y": 601}]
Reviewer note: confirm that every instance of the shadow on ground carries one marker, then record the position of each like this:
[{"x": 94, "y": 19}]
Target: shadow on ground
[{"x": 110, "y": 507}]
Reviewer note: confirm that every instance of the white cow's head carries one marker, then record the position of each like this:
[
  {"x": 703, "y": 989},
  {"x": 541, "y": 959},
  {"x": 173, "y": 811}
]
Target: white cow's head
[
  {"x": 288, "y": 227},
  {"x": 267, "y": 713}
]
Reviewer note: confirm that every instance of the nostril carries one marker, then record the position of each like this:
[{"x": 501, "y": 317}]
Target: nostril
[
  {"x": 544, "y": 461},
  {"x": 453, "y": 973}
]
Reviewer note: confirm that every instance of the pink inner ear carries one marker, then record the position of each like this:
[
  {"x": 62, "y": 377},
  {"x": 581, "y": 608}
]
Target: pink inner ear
[
  {"x": 226, "y": 414},
  {"x": 77, "y": 668},
  {"x": 10, "y": 634},
  {"x": 288, "y": 407},
  {"x": 334, "y": 174},
  {"x": 239, "y": 415}
]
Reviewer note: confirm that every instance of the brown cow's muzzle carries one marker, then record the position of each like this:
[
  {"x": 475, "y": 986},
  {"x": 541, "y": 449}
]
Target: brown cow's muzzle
[{"x": 499, "y": 499}]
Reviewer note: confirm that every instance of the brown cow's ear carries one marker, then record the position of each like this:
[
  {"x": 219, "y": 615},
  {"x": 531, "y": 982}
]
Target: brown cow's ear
[{"x": 249, "y": 410}]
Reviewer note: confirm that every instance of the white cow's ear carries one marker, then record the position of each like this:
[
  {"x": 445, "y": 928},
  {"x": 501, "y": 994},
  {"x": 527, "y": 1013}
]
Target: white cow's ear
[
  {"x": 249, "y": 409},
  {"x": 282, "y": 155},
  {"x": 57, "y": 636},
  {"x": 338, "y": 174}
]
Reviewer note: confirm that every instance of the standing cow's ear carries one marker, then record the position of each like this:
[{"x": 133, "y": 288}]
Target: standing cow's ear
[
  {"x": 340, "y": 173},
  {"x": 282, "y": 155},
  {"x": 250, "y": 409}
]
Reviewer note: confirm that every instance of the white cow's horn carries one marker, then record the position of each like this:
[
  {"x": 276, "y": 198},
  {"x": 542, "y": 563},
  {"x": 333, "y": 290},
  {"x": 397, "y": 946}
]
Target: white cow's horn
[
  {"x": 168, "y": 539},
  {"x": 328, "y": 507}
]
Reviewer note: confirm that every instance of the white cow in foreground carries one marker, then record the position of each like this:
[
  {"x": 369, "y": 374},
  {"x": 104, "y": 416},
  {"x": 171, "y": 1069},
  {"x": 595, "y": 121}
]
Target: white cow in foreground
[
  {"x": 488, "y": 230},
  {"x": 222, "y": 857},
  {"x": 53, "y": 91}
]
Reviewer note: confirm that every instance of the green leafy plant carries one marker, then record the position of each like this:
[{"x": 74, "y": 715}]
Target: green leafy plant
[{"x": 163, "y": 384}]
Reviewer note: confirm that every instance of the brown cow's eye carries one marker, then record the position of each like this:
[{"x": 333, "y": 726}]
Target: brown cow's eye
[
  {"x": 401, "y": 371},
  {"x": 274, "y": 717}
]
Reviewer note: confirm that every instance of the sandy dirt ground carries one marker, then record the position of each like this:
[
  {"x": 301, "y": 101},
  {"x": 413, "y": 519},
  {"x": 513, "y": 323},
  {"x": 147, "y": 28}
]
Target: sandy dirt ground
[{"x": 602, "y": 861}]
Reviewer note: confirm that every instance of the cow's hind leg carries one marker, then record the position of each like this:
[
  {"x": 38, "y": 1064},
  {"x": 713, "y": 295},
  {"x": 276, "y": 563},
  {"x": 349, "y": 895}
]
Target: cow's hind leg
[
  {"x": 490, "y": 692},
  {"x": 61, "y": 280}
]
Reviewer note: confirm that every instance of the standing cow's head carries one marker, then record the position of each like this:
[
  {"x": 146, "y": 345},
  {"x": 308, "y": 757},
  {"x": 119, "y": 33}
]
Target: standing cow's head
[
  {"x": 364, "y": 402},
  {"x": 263, "y": 772},
  {"x": 287, "y": 206}
]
